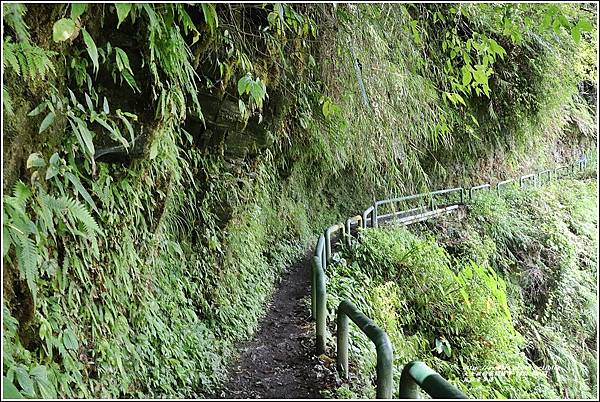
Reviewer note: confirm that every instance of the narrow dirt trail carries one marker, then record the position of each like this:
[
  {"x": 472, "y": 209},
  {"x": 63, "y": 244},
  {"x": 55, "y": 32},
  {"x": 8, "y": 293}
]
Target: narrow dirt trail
[{"x": 279, "y": 362}]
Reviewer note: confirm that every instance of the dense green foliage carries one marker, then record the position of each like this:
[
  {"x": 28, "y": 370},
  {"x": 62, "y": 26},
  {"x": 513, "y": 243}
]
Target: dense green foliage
[
  {"x": 502, "y": 303},
  {"x": 164, "y": 162}
]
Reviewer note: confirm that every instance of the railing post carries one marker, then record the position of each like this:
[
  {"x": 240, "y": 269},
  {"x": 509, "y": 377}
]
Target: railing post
[
  {"x": 374, "y": 223},
  {"x": 384, "y": 369},
  {"x": 321, "y": 307},
  {"x": 342, "y": 344},
  {"x": 385, "y": 356},
  {"x": 462, "y": 195},
  {"x": 313, "y": 287},
  {"x": 328, "y": 244}
]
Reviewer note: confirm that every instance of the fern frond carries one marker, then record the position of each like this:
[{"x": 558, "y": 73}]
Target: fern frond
[
  {"x": 8, "y": 56},
  {"x": 6, "y": 102},
  {"x": 27, "y": 257},
  {"x": 28, "y": 61},
  {"x": 21, "y": 192},
  {"x": 13, "y": 16},
  {"x": 79, "y": 212}
]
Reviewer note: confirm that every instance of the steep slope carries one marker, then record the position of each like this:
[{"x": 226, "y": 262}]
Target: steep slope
[{"x": 164, "y": 163}]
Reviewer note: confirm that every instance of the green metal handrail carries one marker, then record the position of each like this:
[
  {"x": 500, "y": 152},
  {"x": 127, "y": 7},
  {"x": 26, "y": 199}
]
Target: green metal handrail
[
  {"x": 445, "y": 192},
  {"x": 472, "y": 190},
  {"x": 383, "y": 346},
  {"x": 365, "y": 215},
  {"x": 320, "y": 305},
  {"x": 502, "y": 183},
  {"x": 547, "y": 172},
  {"x": 526, "y": 177},
  {"x": 328, "y": 232},
  {"x": 322, "y": 257},
  {"x": 358, "y": 220},
  {"x": 417, "y": 375},
  {"x": 558, "y": 169}
]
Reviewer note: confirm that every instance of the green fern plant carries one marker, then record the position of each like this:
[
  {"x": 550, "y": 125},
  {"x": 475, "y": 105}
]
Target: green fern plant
[{"x": 30, "y": 217}]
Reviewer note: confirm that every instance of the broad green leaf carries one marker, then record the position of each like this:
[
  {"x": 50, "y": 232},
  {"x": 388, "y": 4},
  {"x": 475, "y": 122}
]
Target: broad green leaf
[
  {"x": 81, "y": 190},
  {"x": 91, "y": 48},
  {"x": 38, "y": 109},
  {"x": 51, "y": 172},
  {"x": 257, "y": 93},
  {"x": 77, "y": 9},
  {"x": 123, "y": 10},
  {"x": 122, "y": 60},
  {"x": 210, "y": 16},
  {"x": 585, "y": 26},
  {"x": 40, "y": 374},
  {"x": 153, "y": 150},
  {"x": 63, "y": 29},
  {"x": 54, "y": 158},
  {"x": 85, "y": 136},
  {"x": 105, "y": 107},
  {"x": 35, "y": 160},
  {"x": 24, "y": 380},
  {"x": 127, "y": 125},
  {"x": 576, "y": 34},
  {"x": 46, "y": 122},
  {"x": 466, "y": 76},
  {"x": 9, "y": 391},
  {"x": 70, "y": 340},
  {"x": 88, "y": 102},
  {"x": 242, "y": 84}
]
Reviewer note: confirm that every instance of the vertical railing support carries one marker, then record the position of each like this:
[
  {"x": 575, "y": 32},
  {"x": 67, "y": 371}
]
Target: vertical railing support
[
  {"x": 321, "y": 306},
  {"x": 374, "y": 222},
  {"x": 383, "y": 346}
]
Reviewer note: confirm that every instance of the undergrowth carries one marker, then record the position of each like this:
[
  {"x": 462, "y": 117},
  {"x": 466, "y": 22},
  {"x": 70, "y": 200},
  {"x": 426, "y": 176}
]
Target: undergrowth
[
  {"x": 502, "y": 303},
  {"x": 163, "y": 163}
]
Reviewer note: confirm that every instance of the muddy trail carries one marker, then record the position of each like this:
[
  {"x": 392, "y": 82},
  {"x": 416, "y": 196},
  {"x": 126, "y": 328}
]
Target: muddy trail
[{"x": 279, "y": 362}]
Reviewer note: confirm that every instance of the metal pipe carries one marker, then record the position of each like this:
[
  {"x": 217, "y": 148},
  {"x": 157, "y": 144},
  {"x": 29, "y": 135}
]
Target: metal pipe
[
  {"x": 503, "y": 183},
  {"x": 383, "y": 346},
  {"x": 480, "y": 187},
  {"x": 328, "y": 232},
  {"x": 313, "y": 287},
  {"x": 525, "y": 177},
  {"x": 354, "y": 219},
  {"x": 417, "y": 374},
  {"x": 374, "y": 216},
  {"x": 365, "y": 215},
  {"x": 321, "y": 306}
]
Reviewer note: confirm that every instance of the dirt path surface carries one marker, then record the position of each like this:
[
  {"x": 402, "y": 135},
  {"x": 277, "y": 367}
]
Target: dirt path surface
[{"x": 279, "y": 362}]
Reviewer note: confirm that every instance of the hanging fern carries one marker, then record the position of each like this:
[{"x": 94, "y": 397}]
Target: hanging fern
[
  {"x": 79, "y": 212},
  {"x": 28, "y": 257},
  {"x": 26, "y": 60}
]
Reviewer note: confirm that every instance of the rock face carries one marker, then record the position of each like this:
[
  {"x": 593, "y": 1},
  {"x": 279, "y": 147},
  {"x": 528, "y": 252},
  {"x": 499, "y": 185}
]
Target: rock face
[{"x": 225, "y": 126}]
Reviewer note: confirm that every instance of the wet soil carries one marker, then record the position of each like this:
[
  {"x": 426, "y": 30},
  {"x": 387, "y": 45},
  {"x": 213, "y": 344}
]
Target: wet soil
[{"x": 280, "y": 362}]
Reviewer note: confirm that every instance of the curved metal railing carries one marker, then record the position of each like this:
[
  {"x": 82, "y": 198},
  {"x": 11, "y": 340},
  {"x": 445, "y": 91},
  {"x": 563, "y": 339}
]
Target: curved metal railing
[
  {"x": 416, "y": 373},
  {"x": 383, "y": 346}
]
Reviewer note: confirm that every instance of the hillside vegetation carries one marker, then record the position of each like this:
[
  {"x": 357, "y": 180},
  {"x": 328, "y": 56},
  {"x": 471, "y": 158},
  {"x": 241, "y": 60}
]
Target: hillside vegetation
[
  {"x": 163, "y": 163},
  {"x": 502, "y": 302}
]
